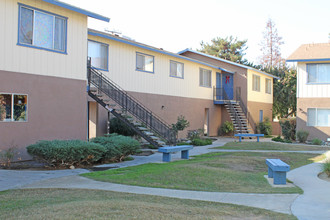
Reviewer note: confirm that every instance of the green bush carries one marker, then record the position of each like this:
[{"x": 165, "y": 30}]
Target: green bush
[
  {"x": 265, "y": 127},
  {"x": 289, "y": 129},
  {"x": 182, "y": 143},
  {"x": 317, "y": 141},
  {"x": 277, "y": 139},
  {"x": 117, "y": 147},
  {"x": 227, "y": 127},
  {"x": 326, "y": 167},
  {"x": 67, "y": 152},
  {"x": 302, "y": 136},
  {"x": 201, "y": 142},
  {"x": 117, "y": 126},
  {"x": 193, "y": 134}
]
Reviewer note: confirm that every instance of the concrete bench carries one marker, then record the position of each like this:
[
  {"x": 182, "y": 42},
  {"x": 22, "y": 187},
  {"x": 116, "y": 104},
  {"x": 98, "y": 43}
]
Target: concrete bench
[
  {"x": 168, "y": 150},
  {"x": 277, "y": 169},
  {"x": 249, "y": 135}
]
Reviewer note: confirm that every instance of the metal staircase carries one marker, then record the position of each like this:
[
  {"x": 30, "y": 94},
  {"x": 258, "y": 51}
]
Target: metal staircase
[
  {"x": 237, "y": 115},
  {"x": 146, "y": 123}
]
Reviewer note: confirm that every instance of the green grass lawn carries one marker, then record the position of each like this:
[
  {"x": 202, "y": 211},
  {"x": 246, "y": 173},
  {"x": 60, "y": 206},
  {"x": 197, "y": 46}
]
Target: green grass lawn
[
  {"x": 97, "y": 204},
  {"x": 219, "y": 172},
  {"x": 270, "y": 146}
]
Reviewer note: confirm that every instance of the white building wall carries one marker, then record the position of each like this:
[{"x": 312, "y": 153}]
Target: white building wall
[
  {"x": 22, "y": 59},
  {"x": 122, "y": 70},
  {"x": 310, "y": 90}
]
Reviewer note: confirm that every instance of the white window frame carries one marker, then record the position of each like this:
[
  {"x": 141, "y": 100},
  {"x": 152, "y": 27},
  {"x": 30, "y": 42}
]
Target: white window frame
[
  {"x": 255, "y": 83},
  {"x": 12, "y": 106},
  {"x": 316, "y": 117},
  {"x": 308, "y": 65},
  {"x": 107, "y": 56},
  {"x": 268, "y": 86},
  {"x": 204, "y": 74},
  {"x": 143, "y": 69},
  {"x": 175, "y": 72},
  {"x": 32, "y": 45}
]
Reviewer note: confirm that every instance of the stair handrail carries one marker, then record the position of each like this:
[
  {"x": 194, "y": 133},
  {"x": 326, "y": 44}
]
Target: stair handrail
[
  {"x": 164, "y": 130},
  {"x": 247, "y": 114},
  {"x": 232, "y": 109}
]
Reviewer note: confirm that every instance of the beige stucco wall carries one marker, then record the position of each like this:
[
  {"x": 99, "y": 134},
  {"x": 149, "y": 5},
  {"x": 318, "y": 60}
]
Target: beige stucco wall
[
  {"x": 259, "y": 96},
  {"x": 314, "y": 132},
  {"x": 122, "y": 65},
  {"x": 309, "y": 90},
  {"x": 41, "y": 62}
]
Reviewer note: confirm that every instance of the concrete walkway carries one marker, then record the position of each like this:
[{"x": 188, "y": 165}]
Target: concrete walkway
[{"x": 316, "y": 191}]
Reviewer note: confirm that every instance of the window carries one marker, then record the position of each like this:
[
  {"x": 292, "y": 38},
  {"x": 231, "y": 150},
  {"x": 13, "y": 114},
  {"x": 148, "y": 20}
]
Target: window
[
  {"x": 144, "y": 62},
  {"x": 318, "y": 117},
  {"x": 13, "y": 107},
  {"x": 256, "y": 83},
  {"x": 98, "y": 52},
  {"x": 268, "y": 88},
  {"x": 42, "y": 30},
  {"x": 176, "y": 69},
  {"x": 318, "y": 73},
  {"x": 205, "y": 77}
]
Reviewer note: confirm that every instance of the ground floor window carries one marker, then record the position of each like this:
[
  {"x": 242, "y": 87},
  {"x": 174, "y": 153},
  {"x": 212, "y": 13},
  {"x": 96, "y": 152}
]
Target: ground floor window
[
  {"x": 318, "y": 117},
  {"x": 13, "y": 107}
]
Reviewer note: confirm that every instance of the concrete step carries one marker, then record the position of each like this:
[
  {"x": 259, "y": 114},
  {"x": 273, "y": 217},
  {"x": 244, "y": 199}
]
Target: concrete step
[
  {"x": 148, "y": 133},
  {"x": 143, "y": 129},
  {"x": 155, "y": 138},
  {"x": 93, "y": 89}
]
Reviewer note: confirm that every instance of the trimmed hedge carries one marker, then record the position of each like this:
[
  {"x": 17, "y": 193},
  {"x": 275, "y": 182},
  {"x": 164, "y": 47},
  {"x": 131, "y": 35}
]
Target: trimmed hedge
[
  {"x": 201, "y": 142},
  {"x": 117, "y": 146},
  {"x": 67, "y": 152}
]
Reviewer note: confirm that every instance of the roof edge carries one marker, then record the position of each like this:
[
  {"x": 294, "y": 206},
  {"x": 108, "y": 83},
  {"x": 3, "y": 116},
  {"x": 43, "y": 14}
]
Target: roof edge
[
  {"x": 227, "y": 61},
  {"x": 307, "y": 60},
  {"x": 77, "y": 9}
]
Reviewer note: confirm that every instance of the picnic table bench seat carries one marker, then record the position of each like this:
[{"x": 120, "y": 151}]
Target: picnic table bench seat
[
  {"x": 168, "y": 150},
  {"x": 277, "y": 169},
  {"x": 249, "y": 135}
]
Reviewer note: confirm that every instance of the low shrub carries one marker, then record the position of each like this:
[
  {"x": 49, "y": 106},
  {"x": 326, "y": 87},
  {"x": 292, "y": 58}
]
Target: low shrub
[
  {"x": 277, "y": 139},
  {"x": 227, "y": 127},
  {"x": 317, "y": 141},
  {"x": 302, "y": 136},
  {"x": 201, "y": 142},
  {"x": 67, "y": 152},
  {"x": 265, "y": 127},
  {"x": 182, "y": 143},
  {"x": 117, "y": 147},
  {"x": 193, "y": 134},
  {"x": 326, "y": 167},
  {"x": 117, "y": 126},
  {"x": 289, "y": 129}
]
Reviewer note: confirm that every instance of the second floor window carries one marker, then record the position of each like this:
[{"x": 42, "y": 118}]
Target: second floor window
[
  {"x": 256, "y": 83},
  {"x": 205, "y": 77},
  {"x": 268, "y": 88},
  {"x": 98, "y": 52},
  {"x": 144, "y": 62},
  {"x": 176, "y": 69},
  {"x": 42, "y": 30},
  {"x": 318, "y": 73}
]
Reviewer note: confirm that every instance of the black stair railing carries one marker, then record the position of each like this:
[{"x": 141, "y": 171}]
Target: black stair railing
[
  {"x": 237, "y": 119},
  {"x": 131, "y": 105},
  {"x": 246, "y": 113}
]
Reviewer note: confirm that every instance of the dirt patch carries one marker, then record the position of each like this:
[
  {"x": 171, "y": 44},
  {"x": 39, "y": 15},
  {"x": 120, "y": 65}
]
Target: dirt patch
[{"x": 324, "y": 176}]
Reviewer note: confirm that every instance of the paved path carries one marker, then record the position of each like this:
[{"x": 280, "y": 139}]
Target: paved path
[{"x": 316, "y": 191}]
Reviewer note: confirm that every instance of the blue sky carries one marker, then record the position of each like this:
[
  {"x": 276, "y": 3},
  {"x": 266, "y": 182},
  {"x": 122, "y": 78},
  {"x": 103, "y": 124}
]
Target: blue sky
[{"x": 176, "y": 25}]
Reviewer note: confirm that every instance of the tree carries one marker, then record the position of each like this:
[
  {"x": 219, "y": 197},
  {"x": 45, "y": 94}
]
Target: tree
[
  {"x": 270, "y": 47},
  {"x": 228, "y": 48},
  {"x": 284, "y": 103}
]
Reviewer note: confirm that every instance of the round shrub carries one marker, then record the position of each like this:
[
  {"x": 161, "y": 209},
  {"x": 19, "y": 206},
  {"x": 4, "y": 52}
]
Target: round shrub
[
  {"x": 67, "y": 152},
  {"x": 265, "y": 127},
  {"x": 227, "y": 127},
  {"x": 117, "y": 126},
  {"x": 117, "y": 146},
  {"x": 302, "y": 136},
  {"x": 317, "y": 141}
]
